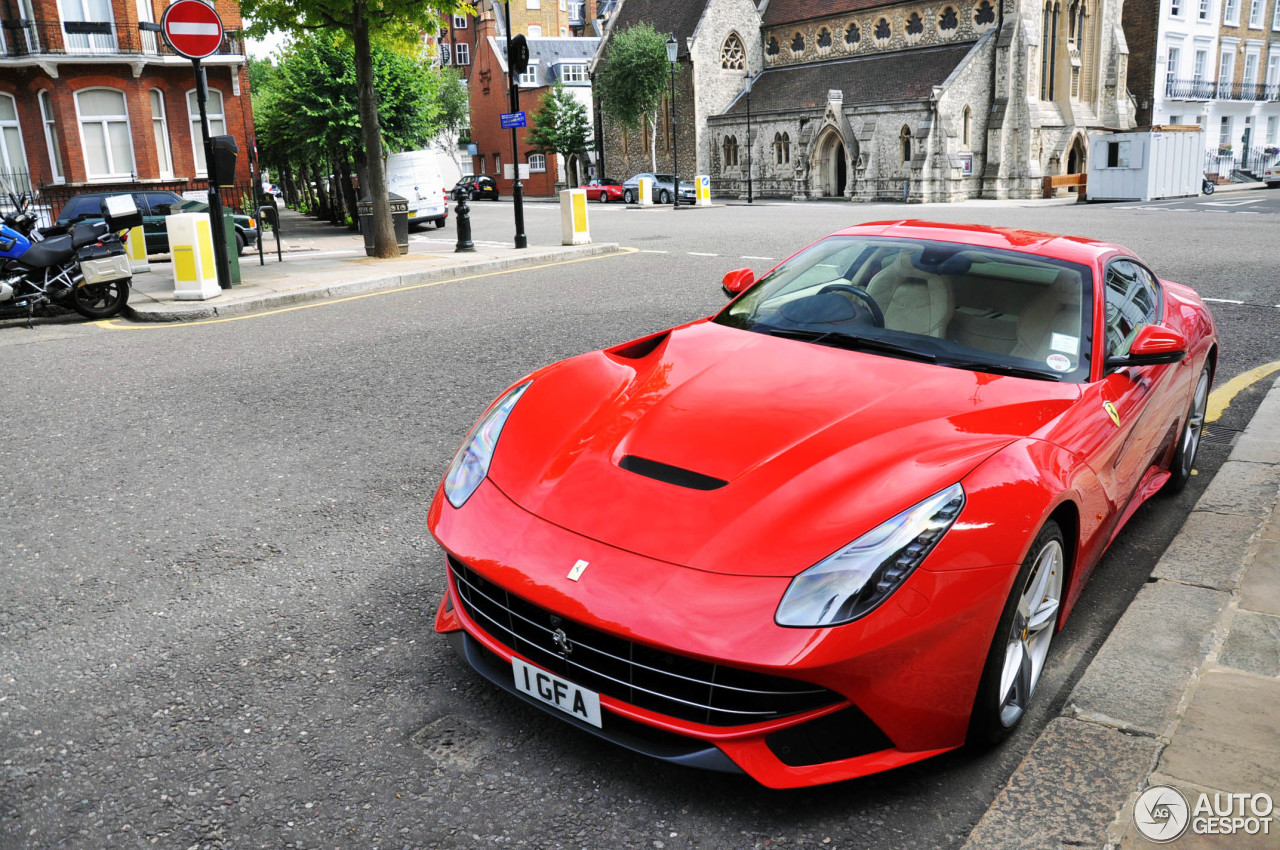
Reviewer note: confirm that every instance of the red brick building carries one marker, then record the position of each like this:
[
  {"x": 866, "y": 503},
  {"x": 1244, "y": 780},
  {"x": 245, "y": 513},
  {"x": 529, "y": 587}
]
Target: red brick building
[
  {"x": 551, "y": 60},
  {"x": 90, "y": 95}
]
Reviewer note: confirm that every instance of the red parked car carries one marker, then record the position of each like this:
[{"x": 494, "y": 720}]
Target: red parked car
[
  {"x": 833, "y": 528},
  {"x": 604, "y": 190}
]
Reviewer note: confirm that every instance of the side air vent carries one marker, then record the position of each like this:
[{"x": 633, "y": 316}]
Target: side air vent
[{"x": 671, "y": 474}]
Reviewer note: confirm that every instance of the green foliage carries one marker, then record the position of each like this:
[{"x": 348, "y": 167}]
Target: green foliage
[
  {"x": 307, "y": 108},
  {"x": 634, "y": 75},
  {"x": 394, "y": 22},
  {"x": 560, "y": 124}
]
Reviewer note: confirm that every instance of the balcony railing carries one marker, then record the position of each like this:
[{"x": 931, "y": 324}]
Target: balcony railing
[
  {"x": 1210, "y": 90},
  {"x": 93, "y": 38}
]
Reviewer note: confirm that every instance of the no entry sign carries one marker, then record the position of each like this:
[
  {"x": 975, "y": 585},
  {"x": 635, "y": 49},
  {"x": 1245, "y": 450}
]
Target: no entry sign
[{"x": 192, "y": 29}]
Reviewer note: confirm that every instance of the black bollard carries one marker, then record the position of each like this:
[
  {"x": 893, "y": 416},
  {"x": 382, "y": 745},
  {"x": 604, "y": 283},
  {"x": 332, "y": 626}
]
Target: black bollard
[{"x": 463, "y": 212}]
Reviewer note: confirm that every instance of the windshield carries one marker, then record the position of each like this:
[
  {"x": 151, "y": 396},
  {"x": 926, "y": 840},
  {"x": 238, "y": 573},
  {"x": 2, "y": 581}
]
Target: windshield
[
  {"x": 82, "y": 206},
  {"x": 957, "y": 305}
]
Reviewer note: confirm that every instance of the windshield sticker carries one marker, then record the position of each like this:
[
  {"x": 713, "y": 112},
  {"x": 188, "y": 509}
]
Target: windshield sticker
[
  {"x": 1059, "y": 362},
  {"x": 1064, "y": 342}
]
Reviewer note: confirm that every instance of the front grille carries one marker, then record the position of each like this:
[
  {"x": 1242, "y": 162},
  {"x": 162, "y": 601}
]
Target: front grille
[{"x": 674, "y": 685}]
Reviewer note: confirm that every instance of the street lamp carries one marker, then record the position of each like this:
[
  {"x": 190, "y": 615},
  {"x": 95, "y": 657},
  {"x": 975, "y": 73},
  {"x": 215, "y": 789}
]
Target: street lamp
[
  {"x": 748, "y": 137},
  {"x": 672, "y": 47}
]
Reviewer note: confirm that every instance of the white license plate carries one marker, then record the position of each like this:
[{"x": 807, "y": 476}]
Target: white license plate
[{"x": 551, "y": 689}]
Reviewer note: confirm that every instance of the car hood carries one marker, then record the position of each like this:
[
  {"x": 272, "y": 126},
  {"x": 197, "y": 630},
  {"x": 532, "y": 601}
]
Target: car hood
[{"x": 807, "y": 447}]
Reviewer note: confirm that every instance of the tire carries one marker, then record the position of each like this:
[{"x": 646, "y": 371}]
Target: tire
[
  {"x": 1184, "y": 456},
  {"x": 664, "y": 197},
  {"x": 240, "y": 244},
  {"x": 1209, "y": 188},
  {"x": 1009, "y": 683},
  {"x": 101, "y": 300},
  {"x": 604, "y": 197},
  {"x": 628, "y": 197}
]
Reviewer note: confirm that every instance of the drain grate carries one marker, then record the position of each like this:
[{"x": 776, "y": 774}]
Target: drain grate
[{"x": 1219, "y": 435}]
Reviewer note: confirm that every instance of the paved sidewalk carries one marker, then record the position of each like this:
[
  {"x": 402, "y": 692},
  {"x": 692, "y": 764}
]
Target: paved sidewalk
[
  {"x": 1186, "y": 690},
  {"x": 323, "y": 261}
]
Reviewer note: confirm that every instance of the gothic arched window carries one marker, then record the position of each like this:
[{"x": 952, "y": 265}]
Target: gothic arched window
[
  {"x": 824, "y": 38},
  {"x": 852, "y": 35},
  {"x": 781, "y": 148},
  {"x": 882, "y": 32},
  {"x": 915, "y": 25},
  {"x": 730, "y": 151},
  {"x": 905, "y": 138},
  {"x": 797, "y": 43},
  {"x": 772, "y": 48},
  {"x": 966, "y": 126},
  {"x": 732, "y": 56},
  {"x": 1049, "y": 50},
  {"x": 947, "y": 20},
  {"x": 983, "y": 14}
]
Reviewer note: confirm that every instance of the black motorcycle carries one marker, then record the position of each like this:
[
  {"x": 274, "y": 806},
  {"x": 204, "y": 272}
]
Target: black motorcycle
[{"x": 80, "y": 266}]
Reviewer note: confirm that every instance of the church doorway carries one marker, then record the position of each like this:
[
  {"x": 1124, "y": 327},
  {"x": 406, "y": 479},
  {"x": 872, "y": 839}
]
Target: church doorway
[
  {"x": 832, "y": 166},
  {"x": 1076, "y": 156}
]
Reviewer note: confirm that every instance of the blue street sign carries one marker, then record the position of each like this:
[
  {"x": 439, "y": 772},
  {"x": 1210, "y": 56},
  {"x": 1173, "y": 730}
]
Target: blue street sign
[{"x": 511, "y": 120}]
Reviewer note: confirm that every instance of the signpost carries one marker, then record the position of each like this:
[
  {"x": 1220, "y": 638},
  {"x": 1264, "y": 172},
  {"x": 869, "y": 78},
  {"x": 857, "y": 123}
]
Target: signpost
[
  {"x": 512, "y": 120},
  {"x": 194, "y": 30},
  {"x": 517, "y": 64}
]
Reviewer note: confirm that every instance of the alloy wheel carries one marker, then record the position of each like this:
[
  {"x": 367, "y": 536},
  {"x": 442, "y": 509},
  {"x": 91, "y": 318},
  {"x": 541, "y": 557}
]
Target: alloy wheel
[
  {"x": 1031, "y": 633},
  {"x": 1195, "y": 424}
]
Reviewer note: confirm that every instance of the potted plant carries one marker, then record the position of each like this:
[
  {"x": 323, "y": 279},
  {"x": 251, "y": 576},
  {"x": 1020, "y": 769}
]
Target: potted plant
[{"x": 1224, "y": 150}]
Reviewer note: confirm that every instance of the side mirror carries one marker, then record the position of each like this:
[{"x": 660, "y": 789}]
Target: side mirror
[
  {"x": 1154, "y": 345},
  {"x": 737, "y": 281}
]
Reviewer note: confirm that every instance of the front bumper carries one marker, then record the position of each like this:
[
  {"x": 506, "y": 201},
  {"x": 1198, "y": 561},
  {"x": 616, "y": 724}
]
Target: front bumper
[{"x": 910, "y": 668}]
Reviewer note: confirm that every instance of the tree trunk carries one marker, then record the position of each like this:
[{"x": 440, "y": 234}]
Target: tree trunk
[
  {"x": 384, "y": 235},
  {"x": 653, "y": 141},
  {"x": 349, "y": 192},
  {"x": 323, "y": 207}
]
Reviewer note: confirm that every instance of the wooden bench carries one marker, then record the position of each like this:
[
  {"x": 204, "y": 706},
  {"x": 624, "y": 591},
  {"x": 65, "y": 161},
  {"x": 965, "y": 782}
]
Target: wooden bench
[{"x": 1055, "y": 182}]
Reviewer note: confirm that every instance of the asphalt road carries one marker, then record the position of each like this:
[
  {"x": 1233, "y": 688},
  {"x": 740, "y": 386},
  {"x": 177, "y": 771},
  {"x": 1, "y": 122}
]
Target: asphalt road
[{"x": 218, "y": 587}]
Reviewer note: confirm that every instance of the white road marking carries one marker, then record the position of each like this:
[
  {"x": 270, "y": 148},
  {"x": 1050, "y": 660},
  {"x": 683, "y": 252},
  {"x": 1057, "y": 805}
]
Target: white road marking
[
  {"x": 1222, "y": 300},
  {"x": 749, "y": 257},
  {"x": 700, "y": 254},
  {"x": 652, "y": 251},
  {"x": 1239, "y": 203}
]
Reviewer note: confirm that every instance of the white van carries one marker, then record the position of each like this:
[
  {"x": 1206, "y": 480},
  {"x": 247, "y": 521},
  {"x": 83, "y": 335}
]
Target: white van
[{"x": 415, "y": 176}]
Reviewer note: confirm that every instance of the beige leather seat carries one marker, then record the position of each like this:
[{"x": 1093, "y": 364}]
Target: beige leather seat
[
  {"x": 913, "y": 301},
  {"x": 1054, "y": 311}
]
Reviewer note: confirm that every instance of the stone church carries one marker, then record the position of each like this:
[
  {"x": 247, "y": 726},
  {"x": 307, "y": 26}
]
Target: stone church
[{"x": 939, "y": 100}]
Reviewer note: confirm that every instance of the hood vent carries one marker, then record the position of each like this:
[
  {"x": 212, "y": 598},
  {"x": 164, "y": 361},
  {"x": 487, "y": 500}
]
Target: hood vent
[
  {"x": 639, "y": 349},
  {"x": 671, "y": 474}
]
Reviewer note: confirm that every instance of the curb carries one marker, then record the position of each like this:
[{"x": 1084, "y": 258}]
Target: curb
[
  {"x": 1078, "y": 783},
  {"x": 189, "y": 311}
]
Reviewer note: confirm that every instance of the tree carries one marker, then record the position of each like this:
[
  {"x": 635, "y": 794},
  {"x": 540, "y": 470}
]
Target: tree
[
  {"x": 560, "y": 125},
  {"x": 455, "y": 113},
  {"x": 362, "y": 21},
  {"x": 633, "y": 79}
]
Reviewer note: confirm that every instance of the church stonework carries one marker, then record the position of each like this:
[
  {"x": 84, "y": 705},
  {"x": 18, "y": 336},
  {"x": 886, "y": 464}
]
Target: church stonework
[{"x": 905, "y": 101}]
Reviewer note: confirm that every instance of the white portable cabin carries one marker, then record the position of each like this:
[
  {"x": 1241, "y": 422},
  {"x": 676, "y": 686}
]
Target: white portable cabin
[{"x": 1158, "y": 162}]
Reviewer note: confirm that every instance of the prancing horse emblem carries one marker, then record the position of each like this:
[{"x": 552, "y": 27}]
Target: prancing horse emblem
[
  {"x": 561, "y": 640},
  {"x": 577, "y": 571},
  {"x": 1111, "y": 411}
]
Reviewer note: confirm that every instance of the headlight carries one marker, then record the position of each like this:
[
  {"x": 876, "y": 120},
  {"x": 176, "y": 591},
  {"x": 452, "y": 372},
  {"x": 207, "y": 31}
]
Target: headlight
[
  {"x": 853, "y": 581},
  {"x": 471, "y": 463}
]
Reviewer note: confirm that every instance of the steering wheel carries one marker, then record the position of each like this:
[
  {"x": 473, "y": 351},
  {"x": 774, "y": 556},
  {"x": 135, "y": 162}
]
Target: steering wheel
[{"x": 877, "y": 315}]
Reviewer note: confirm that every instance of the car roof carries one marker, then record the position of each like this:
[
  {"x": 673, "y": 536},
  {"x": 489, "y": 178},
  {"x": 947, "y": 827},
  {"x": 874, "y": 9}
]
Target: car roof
[{"x": 1076, "y": 249}]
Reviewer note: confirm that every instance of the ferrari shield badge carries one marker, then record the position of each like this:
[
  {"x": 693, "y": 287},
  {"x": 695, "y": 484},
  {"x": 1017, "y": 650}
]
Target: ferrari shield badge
[
  {"x": 581, "y": 566},
  {"x": 1111, "y": 411}
]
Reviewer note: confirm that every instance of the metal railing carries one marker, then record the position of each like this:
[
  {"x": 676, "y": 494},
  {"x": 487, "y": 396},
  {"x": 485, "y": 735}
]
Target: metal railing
[
  {"x": 40, "y": 37},
  {"x": 1210, "y": 90}
]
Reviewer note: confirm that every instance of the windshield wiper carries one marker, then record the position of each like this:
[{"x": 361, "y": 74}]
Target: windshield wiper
[
  {"x": 851, "y": 342},
  {"x": 1002, "y": 369}
]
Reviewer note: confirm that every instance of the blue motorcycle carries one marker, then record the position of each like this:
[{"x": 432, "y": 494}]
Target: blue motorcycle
[{"x": 81, "y": 266}]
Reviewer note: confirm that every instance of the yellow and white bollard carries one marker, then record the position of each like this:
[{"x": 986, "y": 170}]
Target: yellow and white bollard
[
  {"x": 702, "y": 188},
  {"x": 573, "y": 217},
  {"x": 137, "y": 250},
  {"x": 646, "y": 192},
  {"x": 195, "y": 277}
]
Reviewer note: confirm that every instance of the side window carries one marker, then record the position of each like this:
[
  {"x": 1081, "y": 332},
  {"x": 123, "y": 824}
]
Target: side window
[
  {"x": 159, "y": 202},
  {"x": 1133, "y": 300}
]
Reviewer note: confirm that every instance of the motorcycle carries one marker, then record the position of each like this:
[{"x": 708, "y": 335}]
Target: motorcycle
[{"x": 80, "y": 266}]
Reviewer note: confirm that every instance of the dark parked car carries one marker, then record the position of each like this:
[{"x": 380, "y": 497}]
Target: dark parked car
[
  {"x": 478, "y": 186},
  {"x": 154, "y": 206},
  {"x": 663, "y": 186}
]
